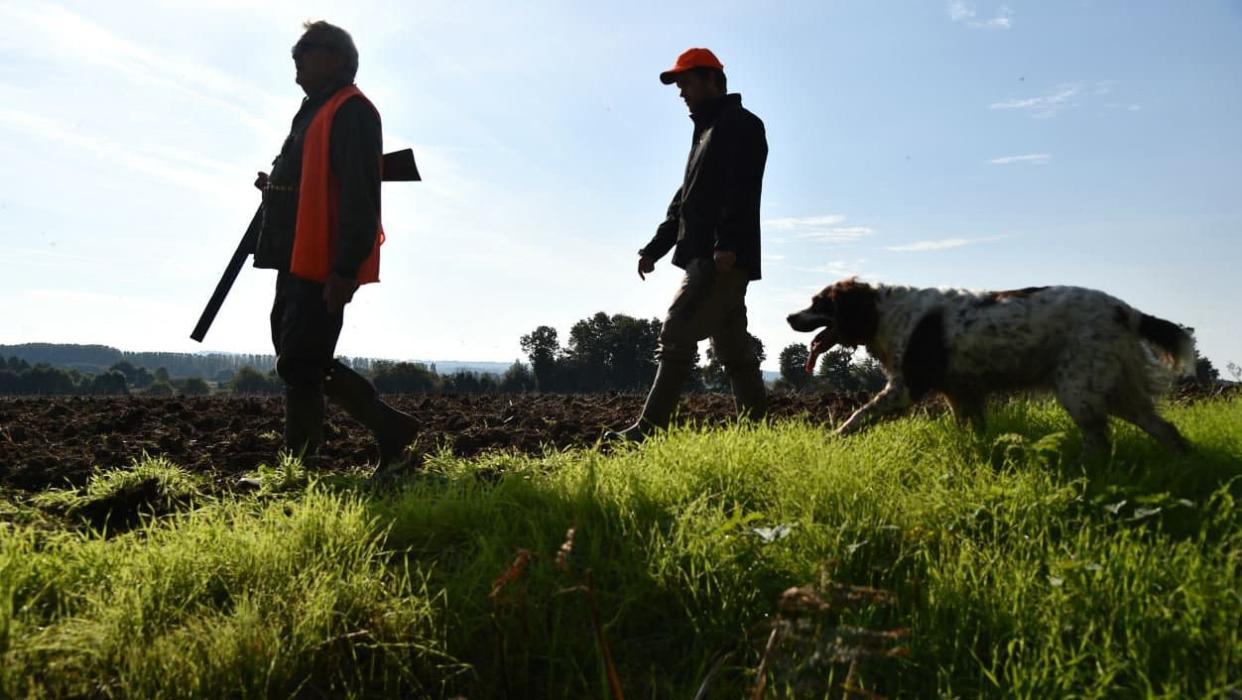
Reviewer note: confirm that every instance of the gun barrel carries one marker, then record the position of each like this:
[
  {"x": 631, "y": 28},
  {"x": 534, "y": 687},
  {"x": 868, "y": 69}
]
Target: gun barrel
[{"x": 244, "y": 249}]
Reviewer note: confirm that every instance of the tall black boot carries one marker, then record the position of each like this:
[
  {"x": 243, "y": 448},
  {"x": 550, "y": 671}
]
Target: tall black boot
[
  {"x": 665, "y": 391},
  {"x": 304, "y": 422},
  {"x": 750, "y": 394},
  {"x": 393, "y": 430}
]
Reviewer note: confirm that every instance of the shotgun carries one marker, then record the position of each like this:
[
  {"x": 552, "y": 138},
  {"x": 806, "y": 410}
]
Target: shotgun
[{"x": 397, "y": 166}]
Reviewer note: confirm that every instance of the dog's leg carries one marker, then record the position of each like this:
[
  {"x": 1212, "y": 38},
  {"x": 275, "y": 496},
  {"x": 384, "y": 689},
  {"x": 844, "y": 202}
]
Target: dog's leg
[
  {"x": 895, "y": 397},
  {"x": 1089, "y": 413},
  {"x": 1163, "y": 431},
  {"x": 968, "y": 408}
]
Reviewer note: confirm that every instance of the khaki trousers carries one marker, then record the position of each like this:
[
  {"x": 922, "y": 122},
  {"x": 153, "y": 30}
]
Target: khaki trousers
[{"x": 709, "y": 304}]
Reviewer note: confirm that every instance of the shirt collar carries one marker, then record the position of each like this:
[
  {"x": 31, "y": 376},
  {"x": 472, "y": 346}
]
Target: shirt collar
[{"x": 712, "y": 107}]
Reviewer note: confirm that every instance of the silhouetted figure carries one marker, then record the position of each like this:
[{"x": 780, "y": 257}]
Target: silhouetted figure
[
  {"x": 712, "y": 228},
  {"x": 321, "y": 232}
]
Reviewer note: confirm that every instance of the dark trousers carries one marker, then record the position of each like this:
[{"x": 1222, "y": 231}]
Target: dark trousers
[{"x": 304, "y": 334}]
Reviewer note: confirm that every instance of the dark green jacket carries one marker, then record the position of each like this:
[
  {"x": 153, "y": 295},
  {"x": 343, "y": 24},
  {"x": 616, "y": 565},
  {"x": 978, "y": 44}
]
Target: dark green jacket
[
  {"x": 355, "y": 144},
  {"x": 717, "y": 206}
]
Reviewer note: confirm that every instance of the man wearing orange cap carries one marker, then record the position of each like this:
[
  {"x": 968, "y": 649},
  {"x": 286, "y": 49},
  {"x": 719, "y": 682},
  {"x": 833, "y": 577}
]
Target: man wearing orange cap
[{"x": 712, "y": 227}]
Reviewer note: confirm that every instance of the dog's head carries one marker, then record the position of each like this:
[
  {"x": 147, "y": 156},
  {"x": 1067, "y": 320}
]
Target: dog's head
[{"x": 848, "y": 313}]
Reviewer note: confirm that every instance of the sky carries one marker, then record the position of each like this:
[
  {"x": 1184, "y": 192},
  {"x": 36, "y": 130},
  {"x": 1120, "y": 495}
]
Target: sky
[{"x": 977, "y": 144}]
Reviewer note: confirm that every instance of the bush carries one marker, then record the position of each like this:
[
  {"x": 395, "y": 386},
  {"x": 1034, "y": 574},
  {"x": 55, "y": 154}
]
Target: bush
[
  {"x": 195, "y": 386},
  {"x": 248, "y": 380},
  {"x": 160, "y": 389}
]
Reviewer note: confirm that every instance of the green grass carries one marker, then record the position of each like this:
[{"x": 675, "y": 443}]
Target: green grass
[{"x": 1002, "y": 567}]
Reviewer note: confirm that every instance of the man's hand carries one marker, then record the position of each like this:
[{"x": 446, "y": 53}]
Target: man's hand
[
  {"x": 645, "y": 267},
  {"x": 337, "y": 292},
  {"x": 725, "y": 260},
  {"x": 261, "y": 181}
]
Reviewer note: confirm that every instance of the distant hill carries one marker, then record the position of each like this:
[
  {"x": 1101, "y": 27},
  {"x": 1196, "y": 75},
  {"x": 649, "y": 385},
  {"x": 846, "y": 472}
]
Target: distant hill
[{"x": 96, "y": 359}]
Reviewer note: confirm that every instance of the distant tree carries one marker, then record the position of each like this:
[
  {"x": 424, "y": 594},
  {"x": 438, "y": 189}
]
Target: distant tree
[
  {"x": 615, "y": 352},
  {"x": 461, "y": 382},
  {"x": 248, "y": 380},
  {"x": 714, "y": 376},
  {"x": 488, "y": 383},
  {"x": 46, "y": 380},
  {"x": 160, "y": 388},
  {"x": 17, "y": 364},
  {"x": 161, "y": 375},
  {"x": 793, "y": 366},
  {"x": 1205, "y": 373},
  {"x": 633, "y": 355},
  {"x": 403, "y": 378},
  {"x": 126, "y": 369},
  {"x": 543, "y": 349},
  {"x": 518, "y": 379},
  {"x": 111, "y": 383},
  {"x": 834, "y": 372},
  {"x": 142, "y": 379},
  {"x": 195, "y": 386},
  {"x": 868, "y": 374},
  {"x": 10, "y": 382}
]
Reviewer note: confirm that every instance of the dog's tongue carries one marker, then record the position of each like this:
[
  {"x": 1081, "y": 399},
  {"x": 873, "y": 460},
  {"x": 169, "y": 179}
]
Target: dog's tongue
[{"x": 821, "y": 344}]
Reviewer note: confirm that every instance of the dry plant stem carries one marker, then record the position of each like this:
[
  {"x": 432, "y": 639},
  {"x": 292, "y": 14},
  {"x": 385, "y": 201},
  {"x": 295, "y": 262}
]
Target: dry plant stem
[
  {"x": 761, "y": 675},
  {"x": 614, "y": 681}
]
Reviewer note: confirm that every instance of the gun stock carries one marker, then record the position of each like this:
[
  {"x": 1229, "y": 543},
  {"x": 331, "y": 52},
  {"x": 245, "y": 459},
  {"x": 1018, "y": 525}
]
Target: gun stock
[{"x": 397, "y": 166}]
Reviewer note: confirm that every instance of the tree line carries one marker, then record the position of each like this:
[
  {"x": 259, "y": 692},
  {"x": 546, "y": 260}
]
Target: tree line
[
  {"x": 602, "y": 353},
  {"x": 99, "y": 359}
]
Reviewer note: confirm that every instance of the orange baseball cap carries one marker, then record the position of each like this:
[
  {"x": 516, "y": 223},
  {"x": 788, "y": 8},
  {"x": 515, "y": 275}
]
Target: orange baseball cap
[{"x": 691, "y": 58}]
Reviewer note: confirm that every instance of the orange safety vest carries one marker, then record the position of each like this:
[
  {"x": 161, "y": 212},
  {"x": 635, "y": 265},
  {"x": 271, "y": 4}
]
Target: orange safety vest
[{"x": 314, "y": 237}]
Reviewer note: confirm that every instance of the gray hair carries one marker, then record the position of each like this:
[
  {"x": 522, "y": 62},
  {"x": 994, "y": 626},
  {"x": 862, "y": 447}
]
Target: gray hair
[{"x": 335, "y": 39}]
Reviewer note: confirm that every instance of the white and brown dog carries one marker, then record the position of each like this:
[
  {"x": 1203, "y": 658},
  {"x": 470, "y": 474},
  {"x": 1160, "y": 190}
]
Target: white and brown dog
[{"x": 1099, "y": 356}]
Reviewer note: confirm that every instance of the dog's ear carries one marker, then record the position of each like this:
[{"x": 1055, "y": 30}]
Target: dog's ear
[{"x": 857, "y": 314}]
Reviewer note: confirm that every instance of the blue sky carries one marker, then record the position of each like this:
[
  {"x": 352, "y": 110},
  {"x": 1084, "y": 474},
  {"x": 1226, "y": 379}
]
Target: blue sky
[{"x": 970, "y": 144}]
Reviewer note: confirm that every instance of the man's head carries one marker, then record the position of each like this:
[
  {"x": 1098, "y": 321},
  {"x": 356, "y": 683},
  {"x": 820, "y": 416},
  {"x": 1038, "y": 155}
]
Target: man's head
[
  {"x": 325, "y": 54},
  {"x": 699, "y": 76}
]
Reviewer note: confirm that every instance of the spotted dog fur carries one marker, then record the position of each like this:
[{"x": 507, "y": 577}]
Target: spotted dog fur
[{"x": 1098, "y": 355}]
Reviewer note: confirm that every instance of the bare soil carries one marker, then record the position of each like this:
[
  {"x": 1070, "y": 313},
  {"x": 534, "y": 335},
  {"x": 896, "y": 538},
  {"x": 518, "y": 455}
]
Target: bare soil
[{"x": 57, "y": 442}]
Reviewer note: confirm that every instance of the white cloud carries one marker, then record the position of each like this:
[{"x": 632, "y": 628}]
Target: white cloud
[
  {"x": 836, "y": 234},
  {"x": 924, "y": 246},
  {"x": 1044, "y": 106},
  {"x": 203, "y": 174},
  {"x": 836, "y": 268},
  {"x": 48, "y": 32},
  {"x": 963, "y": 13},
  {"x": 942, "y": 244},
  {"x": 821, "y": 228},
  {"x": 1031, "y": 158},
  {"x": 1103, "y": 87},
  {"x": 802, "y": 222}
]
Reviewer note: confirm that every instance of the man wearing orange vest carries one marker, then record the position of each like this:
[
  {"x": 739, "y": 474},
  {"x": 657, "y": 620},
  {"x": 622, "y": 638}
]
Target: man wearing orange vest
[{"x": 321, "y": 232}]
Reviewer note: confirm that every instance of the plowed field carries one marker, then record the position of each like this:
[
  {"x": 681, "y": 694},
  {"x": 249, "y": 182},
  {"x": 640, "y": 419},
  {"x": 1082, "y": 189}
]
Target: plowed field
[{"x": 58, "y": 441}]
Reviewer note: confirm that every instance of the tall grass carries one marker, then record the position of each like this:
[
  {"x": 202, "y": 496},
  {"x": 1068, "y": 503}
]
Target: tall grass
[{"x": 999, "y": 566}]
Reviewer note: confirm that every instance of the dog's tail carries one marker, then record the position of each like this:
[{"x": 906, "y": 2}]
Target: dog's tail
[{"x": 1173, "y": 343}]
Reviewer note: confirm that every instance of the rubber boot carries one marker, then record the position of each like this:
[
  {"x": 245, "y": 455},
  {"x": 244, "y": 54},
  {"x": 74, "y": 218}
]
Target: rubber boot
[
  {"x": 304, "y": 423},
  {"x": 393, "y": 430},
  {"x": 665, "y": 391},
  {"x": 750, "y": 394}
]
